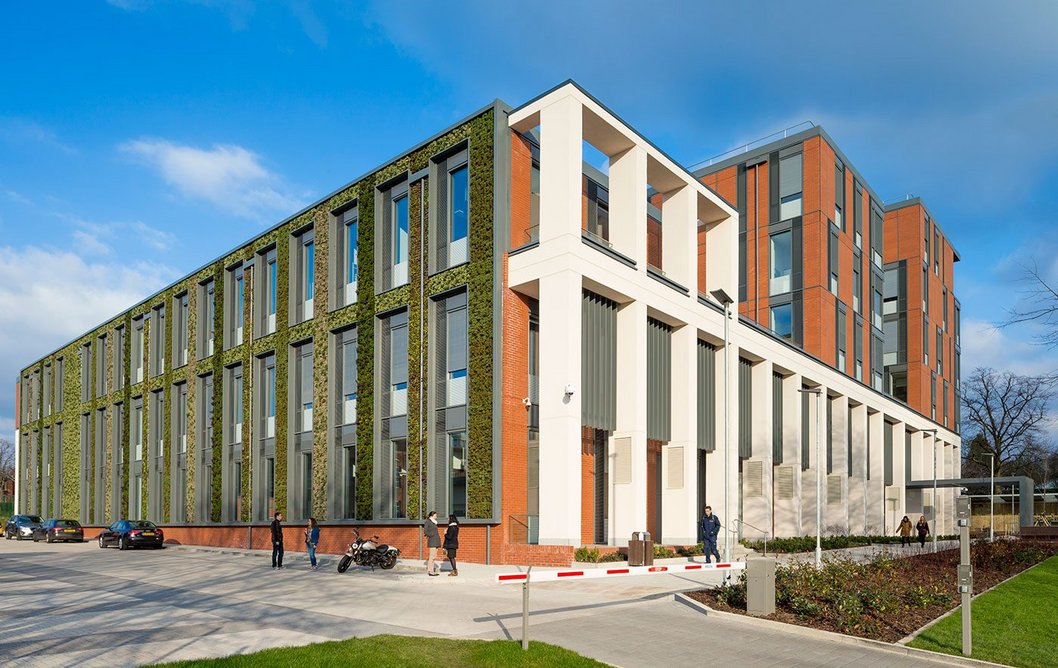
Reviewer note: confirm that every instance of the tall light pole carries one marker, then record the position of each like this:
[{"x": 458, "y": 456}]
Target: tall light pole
[
  {"x": 726, "y": 301},
  {"x": 933, "y": 432},
  {"x": 819, "y": 478}
]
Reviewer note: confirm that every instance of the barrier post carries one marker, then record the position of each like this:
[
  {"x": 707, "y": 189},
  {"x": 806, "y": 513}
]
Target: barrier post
[
  {"x": 966, "y": 577},
  {"x": 525, "y": 610}
]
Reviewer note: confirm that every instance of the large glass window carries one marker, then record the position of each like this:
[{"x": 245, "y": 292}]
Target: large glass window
[
  {"x": 391, "y": 232},
  {"x": 235, "y": 406},
  {"x": 137, "y": 350},
  {"x": 158, "y": 340},
  {"x": 265, "y": 306},
  {"x": 790, "y": 187},
  {"x": 857, "y": 285},
  {"x": 598, "y": 210},
  {"x": 458, "y": 209},
  {"x": 781, "y": 258},
  {"x": 347, "y": 390},
  {"x": 457, "y": 476},
  {"x": 839, "y": 195},
  {"x": 234, "y": 302},
  {"x": 206, "y": 309},
  {"x": 347, "y": 254},
  {"x": 180, "y": 306},
  {"x": 782, "y": 320},
  {"x": 303, "y": 286},
  {"x": 400, "y": 240},
  {"x": 303, "y": 360}
]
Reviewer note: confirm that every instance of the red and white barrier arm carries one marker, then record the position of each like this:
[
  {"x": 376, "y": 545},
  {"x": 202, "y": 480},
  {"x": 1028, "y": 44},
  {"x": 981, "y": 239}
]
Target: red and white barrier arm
[{"x": 550, "y": 576}]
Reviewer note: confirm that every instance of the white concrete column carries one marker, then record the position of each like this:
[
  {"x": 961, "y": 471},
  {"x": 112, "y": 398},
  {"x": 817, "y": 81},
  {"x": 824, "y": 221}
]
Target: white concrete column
[
  {"x": 679, "y": 459},
  {"x": 876, "y": 502},
  {"x": 756, "y": 508},
  {"x": 560, "y": 414},
  {"x": 628, "y": 444},
  {"x": 859, "y": 520},
  {"x": 813, "y": 489},
  {"x": 896, "y": 494},
  {"x": 837, "y": 513},
  {"x": 721, "y": 253},
  {"x": 788, "y": 510},
  {"x": 679, "y": 239},
  {"x": 720, "y": 476},
  {"x": 561, "y": 166},
  {"x": 628, "y": 204},
  {"x": 921, "y": 469}
]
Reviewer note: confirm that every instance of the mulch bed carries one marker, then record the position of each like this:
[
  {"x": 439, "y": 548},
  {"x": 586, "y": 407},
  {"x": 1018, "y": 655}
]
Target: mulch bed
[{"x": 886, "y": 599}]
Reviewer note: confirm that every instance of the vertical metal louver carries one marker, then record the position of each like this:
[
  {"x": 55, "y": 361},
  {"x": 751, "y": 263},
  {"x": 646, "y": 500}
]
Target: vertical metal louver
[
  {"x": 659, "y": 380},
  {"x": 599, "y": 362},
  {"x": 888, "y": 431},
  {"x": 776, "y": 419},
  {"x": 745, "y": 408},
  {"x": 706, "y": 396}
]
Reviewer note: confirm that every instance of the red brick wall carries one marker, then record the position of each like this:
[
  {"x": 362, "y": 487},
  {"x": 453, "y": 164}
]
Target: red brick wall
[{"x": 521, "y": 186}]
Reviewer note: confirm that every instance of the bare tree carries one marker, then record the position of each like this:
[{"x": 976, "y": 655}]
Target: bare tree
[
  {"x": 1039, "y": 305},
  {"x": 7, "y": 462},
  {"x": 1006, "y": 412}
]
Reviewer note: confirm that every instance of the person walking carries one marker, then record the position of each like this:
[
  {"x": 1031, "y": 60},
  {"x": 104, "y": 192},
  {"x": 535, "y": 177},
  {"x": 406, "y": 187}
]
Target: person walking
[
  {"x": 277, "y": 541},
  {"x": 905, "y": 532},
  {"x": 451, "y": 543},
  {"x": 433, "y": 542},
  {"x": 709, "y": 529},
  {"x": 312, "y": 539},
  {"x": 923, "y": 530}
]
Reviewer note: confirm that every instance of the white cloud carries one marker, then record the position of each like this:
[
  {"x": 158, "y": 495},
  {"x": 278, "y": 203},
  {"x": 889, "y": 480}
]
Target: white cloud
[
  {"x": 230, "y": 177},
  {"x": 48, "y": 296},
  {"x": 7, "y": 428},
  {"x": 88, "y": 243},
  {"x": 95, "y": 238},
  {"x": 22, "y": 131},
  {"x": 1004, "y": 349}
]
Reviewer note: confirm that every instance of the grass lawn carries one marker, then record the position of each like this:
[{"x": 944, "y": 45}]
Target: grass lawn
[
  {"x": 398, "y": 651},
  {"x": 1012, "y": 624}
]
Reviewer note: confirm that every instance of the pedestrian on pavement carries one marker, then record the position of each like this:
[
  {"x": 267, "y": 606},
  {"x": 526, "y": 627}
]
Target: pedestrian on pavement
[
  {"x": 277, "y": 541},
  {"x": 905, "y": 532},
  {"x": 923, "y": 530},
  {"x": 433, "y": 542},
  {"x": 451, "y": 543},
  {"x": 312, "y": 539},
  {"x": 709, "y": 529}
]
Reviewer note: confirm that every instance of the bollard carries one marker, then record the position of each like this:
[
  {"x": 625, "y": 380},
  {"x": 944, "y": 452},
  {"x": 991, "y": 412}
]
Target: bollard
[
  {"x": 760, "y": 586},
  {"x": 525, "y": 610}
]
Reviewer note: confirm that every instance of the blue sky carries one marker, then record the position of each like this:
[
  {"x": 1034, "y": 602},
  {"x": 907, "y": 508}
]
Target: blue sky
[{"x": 139, "y": 140}]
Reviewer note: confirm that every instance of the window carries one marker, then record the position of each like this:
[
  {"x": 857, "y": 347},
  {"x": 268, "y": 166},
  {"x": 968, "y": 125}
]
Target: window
[
  {"x": 267, "y": 396},
  {"x": 157, "y": 345},
  {"x": 782, "y": 320},
  {"x": 179, "y": 428},
  {"x": 347, "y": 254},
  {"x": 958, "y": 341},
  {"x": 119, "y": 357},
  {"x": 206, "y": 323},
  {"x": 876, "y": 306},
  {"x": 396, "y": 362},
  {"x": 136, "y": 437},
  {"x": 876, "y": 234},
  {"x": 857, "y": 214},
  {"x": 925, "y": 242},
  {"x": 857, "y": 346},
  {"x": 877, "y": 350},
  {"x": 205, "y": 444},
  {"x": 841, "y": 338},
  {"x": 940, "y": 354},
  {"x": 86, "y": 378},
  {"x": 781, "y": 258},
  {"x": 265, "y": 305},
  {"x": 925, "y": 342},
  {"x": 180, "y": 330},
  {"x": 156, "y": 424},
  {"x": 839, "y": 195},
  {"x": 933, "y": 396},
  {"x": 598, "y": 201},
  {"x": 60, "y": 378},
  {"x": 857, "y": 285},
  {"x": 303, "y": 275},
  {"x": 391, "y": 237},
  {"x": 179, "y": 432},
  {"x": 235, "y": 313},
  {"x": 302, "y": 387},
  {"x": 936, "y": 251},
  {"x": 449, "y": 379},
  {"x": 790, "y": 187},
  {"x": 832, "y": 261},
  {"x": 235, "y": 405},
  {"x": 101, "y": 365},
  {"x": 45, "y": 394},
  {"x": 346, "y": 375},
  {"x": 944, "y": 306},
  {"x": 925, "y": 290},
  {"x": 449, "y": 204},
  {"x": 393, "y": 383}
]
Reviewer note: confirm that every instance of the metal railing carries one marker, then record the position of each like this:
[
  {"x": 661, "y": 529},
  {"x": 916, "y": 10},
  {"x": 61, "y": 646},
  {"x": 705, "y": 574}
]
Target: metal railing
[
  {"x": 758, "y": 529},
  {"x": 523, "y": 529},
  {"x": 747, "y": 147}
]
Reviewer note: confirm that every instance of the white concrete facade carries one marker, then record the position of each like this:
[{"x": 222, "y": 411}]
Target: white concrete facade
[{"x": 562, "y": 265}]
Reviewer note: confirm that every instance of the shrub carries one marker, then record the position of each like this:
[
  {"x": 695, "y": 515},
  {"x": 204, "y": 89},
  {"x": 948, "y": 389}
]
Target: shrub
[
  {"x": 614, "y": 556},
  {"x": 692, "y": 551},
  {"x": 662, "y": 552},
  {"x": 586, "y": 554}
]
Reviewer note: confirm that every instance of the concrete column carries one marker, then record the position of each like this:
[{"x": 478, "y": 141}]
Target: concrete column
[
  {"x": 837, "y": 514},
  {"x": 679, "y": 459},
  {"x": 561, "y": 166},
  {"x": 787, "y": 518},
  {"x": 680, "y": 237},
  {"x": 721, "y": 254},
  {"x": 921, "y": 469},
  {"x": 756, "y": 509},
  {"x": 858, "y": 517},
  {"x": 560, "y": 413},
  {"x": 817, "y": 458},
  {"x": 718, "y": 474},
  {"x": 876, "y": 504},
  {"x": 896, "y": 494},
  {"x": 628, "y": 444},
  {"x": 628, "y": 204}
]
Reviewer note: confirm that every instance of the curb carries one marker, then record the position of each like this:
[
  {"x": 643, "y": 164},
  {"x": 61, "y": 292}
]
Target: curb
[{"x": 831, "y": 636}]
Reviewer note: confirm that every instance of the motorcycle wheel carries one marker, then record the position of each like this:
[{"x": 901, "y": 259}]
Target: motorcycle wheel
[
  {"x": 388, "y": 561},
  {"x": 343, "y": 563}
]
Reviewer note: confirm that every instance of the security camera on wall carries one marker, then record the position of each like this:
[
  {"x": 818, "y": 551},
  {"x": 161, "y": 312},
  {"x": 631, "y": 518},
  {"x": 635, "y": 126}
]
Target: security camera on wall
[
  {"x": 570, "y": 390},
  {"x": 527, "y": 402}
]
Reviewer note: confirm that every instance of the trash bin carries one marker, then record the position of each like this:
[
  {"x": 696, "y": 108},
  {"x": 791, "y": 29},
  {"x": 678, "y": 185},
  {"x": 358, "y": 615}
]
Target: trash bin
[{"x": 641, "y": 549}]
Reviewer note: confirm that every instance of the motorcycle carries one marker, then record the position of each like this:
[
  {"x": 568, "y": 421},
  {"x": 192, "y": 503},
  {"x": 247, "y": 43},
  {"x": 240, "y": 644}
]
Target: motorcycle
[{"x": 365, "y": 552}]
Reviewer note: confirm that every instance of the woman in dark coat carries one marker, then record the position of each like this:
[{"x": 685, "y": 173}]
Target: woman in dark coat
[
  {"x": 923, "y": 530},
  {"x": 451, "y": 543}
]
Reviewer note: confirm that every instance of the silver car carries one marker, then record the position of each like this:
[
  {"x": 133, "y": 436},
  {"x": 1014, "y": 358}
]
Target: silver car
[{"x": 22, "y": 526}]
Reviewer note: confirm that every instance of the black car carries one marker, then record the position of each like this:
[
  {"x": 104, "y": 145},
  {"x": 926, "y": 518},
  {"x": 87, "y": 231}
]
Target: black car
[
  {"x": 131, "y": 533},
  {"x": 59, "y": 531},
  {"x": 21, "y": 526}
]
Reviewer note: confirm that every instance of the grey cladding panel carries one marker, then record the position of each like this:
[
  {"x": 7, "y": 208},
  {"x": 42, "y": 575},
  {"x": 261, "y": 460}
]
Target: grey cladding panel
[
  {"x": 599, "y": 362},
  {"x": 706, "y": 397},
  {"x": 659, "y": 380},
  {"x": 776, "y": 425},
  {"x": 745, "y": 408},
  {"x": 790, "y": 175}
]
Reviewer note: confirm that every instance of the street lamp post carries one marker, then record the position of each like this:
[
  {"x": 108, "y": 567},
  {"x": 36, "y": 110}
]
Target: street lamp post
[
  {"x": 819, "y": 479},
  {"x": 726, "y": 301},
  {"x": 935, "y": 527}
]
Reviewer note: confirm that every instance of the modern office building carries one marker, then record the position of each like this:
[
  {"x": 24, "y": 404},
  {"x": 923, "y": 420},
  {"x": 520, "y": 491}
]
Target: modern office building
[{"x": 490, "y": 326}]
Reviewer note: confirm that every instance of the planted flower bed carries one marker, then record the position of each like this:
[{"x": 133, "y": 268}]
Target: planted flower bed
[
  {"x": 885, "y": 599},
  {"x": 808, "y": 543}
]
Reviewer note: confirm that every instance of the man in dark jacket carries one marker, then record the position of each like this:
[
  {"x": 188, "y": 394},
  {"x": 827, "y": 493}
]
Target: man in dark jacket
[
  {"x": 709, "y": 528},
  {"x": 277, "y": 541},
  {"x": 433, "y": 542}
]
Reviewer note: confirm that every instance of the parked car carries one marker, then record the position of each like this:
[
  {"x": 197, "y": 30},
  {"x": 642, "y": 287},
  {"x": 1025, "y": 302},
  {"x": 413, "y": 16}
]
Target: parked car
[
  {"x": 131, "y": 533},
  {"x": 61, "y": 531},
  {"x": 21, "y": 526}
]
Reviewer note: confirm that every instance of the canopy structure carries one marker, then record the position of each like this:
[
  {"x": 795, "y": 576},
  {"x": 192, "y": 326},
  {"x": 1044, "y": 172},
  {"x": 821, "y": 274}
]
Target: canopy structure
[{"x": 1025, "y": 485}]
